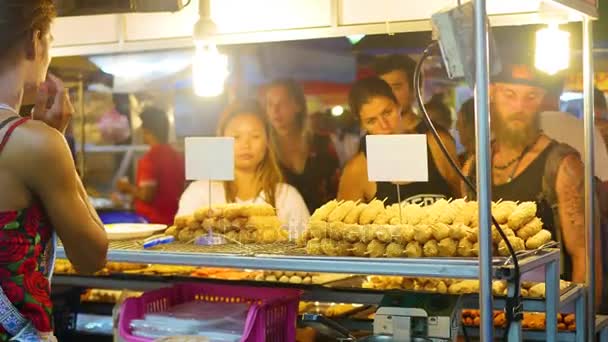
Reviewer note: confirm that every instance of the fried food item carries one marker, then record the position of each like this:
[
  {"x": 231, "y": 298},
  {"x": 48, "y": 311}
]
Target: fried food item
[
  {"x": 336, "y": 230},
  {"x": 313, "y": 247},
  {"x": 209, "y": 223},
  {"x": 180, "y": 221},
  {"x": 503, "y": 210},
  {"x": 329, "y": 248},
  {"x": 384, "y": 233},
  {"x": 442, "y": 288},
  {"x": 413, "y": 250},
  {"x": 370, "y": 212},
  {"x": 303, "y": 238},
  {"x": 394, "y": 250},
  {"x": 265, "y": 236},
  {"x": 368, "y": 233},
  {"x": 338, "y": 214},
  {"x": 192, "y": 223},
  {"x": 344, "y": 248},
  {"x": 323, "y": 212},
  {"x": 447, "y": 247},
  {"x": 233, "y": 236},
  {"x": 232, "y": 210},
  {"x": 319, "y": 232},
  {"x": 422, "y": 233},
  {"x": 447, "y": 214},
  {"x": 498, "y": 287},
  {"x": 537, "y": 291},
  {"x": 440, "y": 231},
  {"x": 173, "y": 231},
  {"x": 376, "y": 249},
  {"x": 353, "y": 233},
  {"x": 476, "y": 249},
  {"x": 382, "y": 218},
  {"x": 530, "y": 229},
  {"x": 359, "y": 249},
  {"x": 258, "y": 209},
  {"x": 538, "y": 239},
  {"x": 217, "y": 210},
  {"x": 430, "y": 249},
  {"x": 413, "y": 214},
  {"x": 465, "y": 248},
  {"x": 523, "y": 214},
  {"x": 406, "y": 234},
  {"x": 516, "y": 242},
  {"x": 264, "y": 222},
  {"x": 570, "y": 319},
  {"x": 464, "y": 287},
  {"x": 201, "y": 214},
  {"x": 295, "y": 279},
  {"x": 186, "y": 235},
  {"x": 472, "y": 234},
  {"x": 458, "y": 231},
  {"x": 353, "y": 216}
]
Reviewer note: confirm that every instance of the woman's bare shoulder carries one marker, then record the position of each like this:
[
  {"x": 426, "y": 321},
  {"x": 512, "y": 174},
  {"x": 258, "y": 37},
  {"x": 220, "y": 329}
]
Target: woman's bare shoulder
[
  {"x": 357, "y": 165},
  {"x": 34, "y": 143}
]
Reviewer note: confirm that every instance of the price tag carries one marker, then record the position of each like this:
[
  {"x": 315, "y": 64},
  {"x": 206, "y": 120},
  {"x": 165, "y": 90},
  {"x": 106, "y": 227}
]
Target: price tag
[
  {"x": 397, "y": 158},
  {"x": 209, "y": 158}
]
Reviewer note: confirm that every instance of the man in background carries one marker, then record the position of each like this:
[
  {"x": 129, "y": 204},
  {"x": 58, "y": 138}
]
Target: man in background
[
  {"x": 160, "y": 172},
  {"x": 527, "y": 165}
]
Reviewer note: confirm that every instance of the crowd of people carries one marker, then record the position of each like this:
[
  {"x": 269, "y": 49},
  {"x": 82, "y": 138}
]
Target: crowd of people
[{"x": 278, "y": 160}]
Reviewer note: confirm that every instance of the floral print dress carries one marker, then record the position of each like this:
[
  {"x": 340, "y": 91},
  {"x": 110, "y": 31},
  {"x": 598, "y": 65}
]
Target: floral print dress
[{"x": 26, "y": 250}]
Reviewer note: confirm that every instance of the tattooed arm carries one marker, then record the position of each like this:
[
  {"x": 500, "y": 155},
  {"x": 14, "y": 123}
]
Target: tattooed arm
[{"x": 570, "y": 189}]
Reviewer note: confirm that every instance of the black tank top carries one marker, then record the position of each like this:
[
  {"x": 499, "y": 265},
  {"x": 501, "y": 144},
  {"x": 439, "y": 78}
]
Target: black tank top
[
  {"x": 423, "y": 193},
  {"x": 528, "y": 187}
]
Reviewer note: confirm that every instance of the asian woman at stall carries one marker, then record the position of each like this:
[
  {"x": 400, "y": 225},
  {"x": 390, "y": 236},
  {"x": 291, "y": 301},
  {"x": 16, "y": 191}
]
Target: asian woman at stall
[
  {"x": 41, "y": 192},
  {"x": 308, "y": 161},
  {"x": 258, "y": 177},
  {"x": 373, "y": 102}
]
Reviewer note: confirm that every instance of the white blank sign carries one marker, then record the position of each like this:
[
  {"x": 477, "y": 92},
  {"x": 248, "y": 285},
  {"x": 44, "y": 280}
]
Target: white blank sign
[
  {"x": 397, "y": 158},
  {"x": 210, "y": 159}
]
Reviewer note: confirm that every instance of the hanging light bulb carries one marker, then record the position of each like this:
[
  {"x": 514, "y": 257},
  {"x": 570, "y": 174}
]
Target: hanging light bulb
[
  {"x": 337, "y": 111},
  {"x": 209, "y": 70},
  {"x": 552, "y": 49},
  {"x": 209, "y": 67}
]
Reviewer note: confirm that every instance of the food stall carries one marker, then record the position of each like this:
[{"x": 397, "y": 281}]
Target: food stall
[{"x": 294, "y": 257}]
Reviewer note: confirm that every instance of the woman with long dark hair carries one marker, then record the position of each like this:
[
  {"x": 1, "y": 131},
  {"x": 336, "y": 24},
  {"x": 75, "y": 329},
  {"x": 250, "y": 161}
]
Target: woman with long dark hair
[
  {"x": 257, "y": 175},
  {"x": 41, "y": 192},
  {"x": 308, "y": 161}
]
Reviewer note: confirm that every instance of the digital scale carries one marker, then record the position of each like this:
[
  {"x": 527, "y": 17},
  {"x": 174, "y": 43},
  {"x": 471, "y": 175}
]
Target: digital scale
[{"x": 404, "y": 318}]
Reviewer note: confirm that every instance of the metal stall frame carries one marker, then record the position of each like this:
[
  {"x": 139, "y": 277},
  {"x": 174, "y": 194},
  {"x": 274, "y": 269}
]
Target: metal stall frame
[
  {"x": 484, "y": 267},
  {"x": 484, "y": 176}
]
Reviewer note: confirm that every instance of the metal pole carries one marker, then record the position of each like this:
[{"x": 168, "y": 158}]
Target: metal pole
[
  {"x": 589, "y": 167},
  {"x": 484, "y": 197}
]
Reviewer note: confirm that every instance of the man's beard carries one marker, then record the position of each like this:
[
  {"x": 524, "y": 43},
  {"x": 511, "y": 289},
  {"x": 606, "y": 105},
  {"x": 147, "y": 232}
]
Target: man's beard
[{"x": 515, "y": 138}]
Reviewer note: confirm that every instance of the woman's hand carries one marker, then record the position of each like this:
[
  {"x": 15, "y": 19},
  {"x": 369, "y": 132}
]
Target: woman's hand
[{"x": 53, "y": 105}]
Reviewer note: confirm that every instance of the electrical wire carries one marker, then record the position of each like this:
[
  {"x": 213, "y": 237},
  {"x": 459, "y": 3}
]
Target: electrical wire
[
  {"x": 465, "y": 334},
  {"x": 187, "y": 3},
  {"x": 433, "y": 46}
]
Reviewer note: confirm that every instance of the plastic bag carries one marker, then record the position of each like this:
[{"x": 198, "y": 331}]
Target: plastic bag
[{"x": 114, "y": 127}]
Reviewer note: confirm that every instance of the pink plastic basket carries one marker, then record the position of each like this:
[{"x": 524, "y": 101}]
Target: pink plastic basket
[{"x": 271, "y": 317}]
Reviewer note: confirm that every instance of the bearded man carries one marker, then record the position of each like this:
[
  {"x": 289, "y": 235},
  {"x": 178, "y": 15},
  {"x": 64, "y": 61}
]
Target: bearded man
[{"x": 529, "y": 166}]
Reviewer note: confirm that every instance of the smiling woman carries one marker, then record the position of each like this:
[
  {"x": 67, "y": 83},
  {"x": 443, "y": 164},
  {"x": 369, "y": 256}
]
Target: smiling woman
[{"x": 258, "y": 178}]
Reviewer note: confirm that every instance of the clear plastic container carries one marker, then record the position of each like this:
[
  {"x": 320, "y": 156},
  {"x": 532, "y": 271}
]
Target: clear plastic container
[{"x": 221, "y": 322}]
